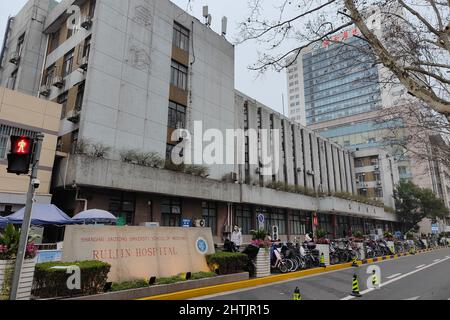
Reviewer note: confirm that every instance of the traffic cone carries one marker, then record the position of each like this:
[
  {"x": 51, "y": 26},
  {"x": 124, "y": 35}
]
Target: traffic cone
[
  {"x": 322, "y": 261},
  {"x": 375, "y": 281},
  {"x": 355, "y": 287},
  {"x": 355, "y": 263},
  {"x": 297, "y": 295}
]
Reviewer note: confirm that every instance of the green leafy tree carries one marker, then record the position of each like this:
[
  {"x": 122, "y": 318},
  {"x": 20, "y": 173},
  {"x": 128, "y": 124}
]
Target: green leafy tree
[{"x": 415, "y": 204}]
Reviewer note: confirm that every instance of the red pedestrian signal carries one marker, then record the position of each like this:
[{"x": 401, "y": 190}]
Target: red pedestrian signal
[
  {"x": 20, "y": 156},
  {"x": 20, "y": 145}
]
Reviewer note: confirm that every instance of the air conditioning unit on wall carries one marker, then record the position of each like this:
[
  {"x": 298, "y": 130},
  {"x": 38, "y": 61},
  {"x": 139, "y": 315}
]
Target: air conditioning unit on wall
[
  {"x": 45, "y": 90},
  {"x": 58, "y": 82},
  {"x": 86, "y": 22}
]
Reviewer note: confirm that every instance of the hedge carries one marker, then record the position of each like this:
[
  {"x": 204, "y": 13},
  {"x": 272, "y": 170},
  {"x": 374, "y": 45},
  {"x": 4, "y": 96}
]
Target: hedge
[
  {"x": 227, "y": 262},
  {"x": 52, "y": 283}
]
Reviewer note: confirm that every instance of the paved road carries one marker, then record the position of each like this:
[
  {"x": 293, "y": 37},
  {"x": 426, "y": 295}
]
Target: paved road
[{"x": 421, "y": 277}]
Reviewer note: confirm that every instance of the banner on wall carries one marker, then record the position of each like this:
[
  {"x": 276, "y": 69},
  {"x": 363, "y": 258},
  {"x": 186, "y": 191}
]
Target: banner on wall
[{"x": 140, "y": 252}]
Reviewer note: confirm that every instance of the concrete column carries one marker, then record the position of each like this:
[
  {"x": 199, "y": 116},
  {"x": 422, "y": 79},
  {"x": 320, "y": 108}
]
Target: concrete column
[
  {"x": 289, "y": 161},
  {"x": 337, "y": 170},
  {"x": 353, "y": 173},
  {"x": 342, "y": 170},
  {"x": 265, "y": 115},
  {"x": 307, "y": 159},
  {"x": 323, "y": 166},
  {"x": 315, "y": 162},
  {"x": 277, "y": 126},
  {"x": 348, "y": 172},
  {"x": 330, "y": 164},
  {"x": 298, "y": 143},
  {"x": 253, "y": 124}
]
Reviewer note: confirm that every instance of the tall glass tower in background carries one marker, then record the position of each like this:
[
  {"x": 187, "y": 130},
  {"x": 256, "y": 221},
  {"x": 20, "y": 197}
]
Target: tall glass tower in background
[{"x": 336, "y": 89}]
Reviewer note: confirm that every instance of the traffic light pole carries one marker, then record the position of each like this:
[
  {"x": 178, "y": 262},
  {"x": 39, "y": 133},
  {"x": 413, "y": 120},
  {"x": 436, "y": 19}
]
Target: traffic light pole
[{"x": 26, "y": 219}]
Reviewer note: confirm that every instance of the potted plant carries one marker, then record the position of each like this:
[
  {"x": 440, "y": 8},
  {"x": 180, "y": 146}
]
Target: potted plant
[
  {"x": 9, "y": 243},
  {"x": 263, "y": 258},
  {"x": 388, "y": 236},
  {"x": 358, "y": 237},
  {"x": 323, "y": 245}
]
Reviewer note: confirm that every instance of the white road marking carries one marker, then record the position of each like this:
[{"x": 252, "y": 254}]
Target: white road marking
[
  {"x": 437, "y": 260},
  {"x": 421, "y": 266},
  {"x": 394, "y": 276},
  {"x": 415, "y": 298},
  {"x": 398, "y": 278}
]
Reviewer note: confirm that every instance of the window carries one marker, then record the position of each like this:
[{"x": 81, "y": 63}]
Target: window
[
  {"x": 49, "y": 74},
  {"x": 171, "y": 212},
  {"x": 87, "y": 47},
  {"x": 379, "y": 192},
  {"x": 54, "y": 41},
  {"x": 342, "y": 226},
  {"x": 209, "y": 213},
  {"x": 243, "y": 218},
  {"x": 80, "y": 96},
  {"x": 122, "y": 208},
  {"x": 326, "y": 223},
  {"x": 277, "y": 217},
  {"x": 300, "y": 223},
  {"x": 6, "y": 132},
  {"x": 20, "y": 44},
  {"x": 177, "y": 116},
  {"x": 180, "y": 37},
  {"x": 178, "y": 76},
  {"x": 74, "y": 140},
  {"x": 92, "y": 8},
  {"x": 62, "y": 100},
  {"x": 69, "y": 33},
  {"x": 68, "y": 64}
]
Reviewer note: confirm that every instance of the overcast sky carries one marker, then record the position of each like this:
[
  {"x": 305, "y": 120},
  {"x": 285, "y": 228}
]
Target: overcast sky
[{"x": 267, "y": 88}]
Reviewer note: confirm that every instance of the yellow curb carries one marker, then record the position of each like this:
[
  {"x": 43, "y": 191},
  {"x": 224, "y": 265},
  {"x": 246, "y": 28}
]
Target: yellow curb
[{"x": 200, "y": 292}]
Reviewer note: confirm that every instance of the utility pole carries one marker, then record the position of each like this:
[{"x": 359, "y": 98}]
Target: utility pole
[{"x": 26, "y": 218}]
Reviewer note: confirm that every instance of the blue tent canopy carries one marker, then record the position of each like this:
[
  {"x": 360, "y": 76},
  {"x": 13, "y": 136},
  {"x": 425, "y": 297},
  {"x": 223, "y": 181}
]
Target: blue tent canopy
[
  {"x": 94, "y": 216},
  {"x": 42, "y": 214},
  {"x": 3, "y": 222}
]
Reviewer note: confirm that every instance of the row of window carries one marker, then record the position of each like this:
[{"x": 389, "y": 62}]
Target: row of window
[
  {"x": 299, "y": 222},
  {"x": 55, "y": 37},
  {"x": 63, "y": 98},
  {"x": 68, "y": 62}
]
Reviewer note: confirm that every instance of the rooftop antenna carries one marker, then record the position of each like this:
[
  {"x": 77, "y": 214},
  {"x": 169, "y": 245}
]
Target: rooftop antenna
[
  {"x": 207, "y": 16},
  {"x": 224, "y": 26}
]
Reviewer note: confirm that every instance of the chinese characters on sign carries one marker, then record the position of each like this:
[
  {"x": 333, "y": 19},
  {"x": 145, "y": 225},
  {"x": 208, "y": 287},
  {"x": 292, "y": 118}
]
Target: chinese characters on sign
[{"x": 341, "y": 37}]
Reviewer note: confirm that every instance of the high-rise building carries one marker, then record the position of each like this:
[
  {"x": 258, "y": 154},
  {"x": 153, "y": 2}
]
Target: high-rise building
[{"x": 336, "y": 90}]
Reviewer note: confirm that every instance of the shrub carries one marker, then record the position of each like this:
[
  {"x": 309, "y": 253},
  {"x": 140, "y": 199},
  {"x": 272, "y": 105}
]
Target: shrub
[
  {"x": 227, "y": 262},
  {"x": 99, "y": 150},
  {"x": 321, "y": 236},
  {"x": 128, "y": 156},
  {"x": 52, "y": 283},
  {"x": 82, "y": 146},
  {"x": 128, "y": 285}
]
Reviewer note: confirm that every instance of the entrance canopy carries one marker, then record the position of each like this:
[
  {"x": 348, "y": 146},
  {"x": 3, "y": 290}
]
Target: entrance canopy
[
  {"x": 95, "y": 216},
  {"x": 3, "y": 222},
  {"x": 42, "y": 214}
]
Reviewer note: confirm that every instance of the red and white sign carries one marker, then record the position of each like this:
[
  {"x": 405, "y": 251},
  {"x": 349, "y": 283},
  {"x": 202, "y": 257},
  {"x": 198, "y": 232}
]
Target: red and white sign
[{"x": 341, "y": 37}]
